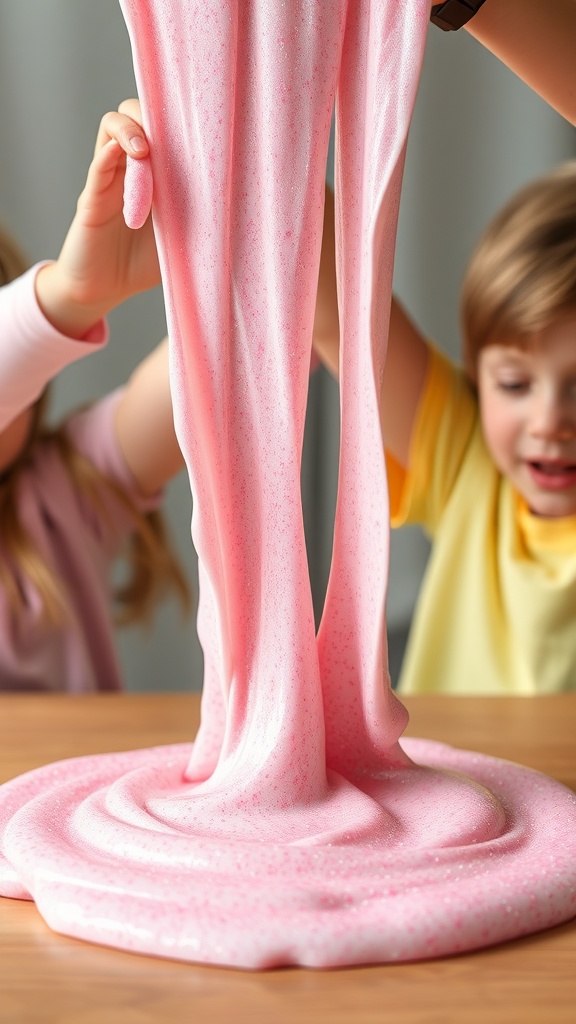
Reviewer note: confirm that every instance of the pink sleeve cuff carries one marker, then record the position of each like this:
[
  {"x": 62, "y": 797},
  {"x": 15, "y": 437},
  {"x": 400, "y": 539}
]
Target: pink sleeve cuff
[{"x": 32, "y": 351}]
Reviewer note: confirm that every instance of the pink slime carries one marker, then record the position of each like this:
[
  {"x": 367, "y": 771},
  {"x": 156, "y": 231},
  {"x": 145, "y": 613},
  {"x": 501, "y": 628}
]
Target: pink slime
[
  {"x": 137, "y": 192},
  {"x": 296, "y": 829}
]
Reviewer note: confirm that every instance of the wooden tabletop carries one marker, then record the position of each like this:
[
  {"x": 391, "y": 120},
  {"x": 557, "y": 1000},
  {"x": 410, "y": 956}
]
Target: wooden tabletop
[{"x": 46, "y": 978}]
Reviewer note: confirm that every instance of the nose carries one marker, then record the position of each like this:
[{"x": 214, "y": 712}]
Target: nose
[{"x": 553, "y": 418}]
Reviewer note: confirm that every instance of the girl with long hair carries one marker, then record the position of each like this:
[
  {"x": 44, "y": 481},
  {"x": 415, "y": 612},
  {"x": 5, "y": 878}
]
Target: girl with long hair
[{"x": 77, "y": 497}]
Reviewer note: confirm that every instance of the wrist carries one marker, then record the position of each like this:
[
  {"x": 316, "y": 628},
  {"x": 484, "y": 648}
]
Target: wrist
[
  {"x": 454, "y": 14},
  {"x": 63, "y": 309}
]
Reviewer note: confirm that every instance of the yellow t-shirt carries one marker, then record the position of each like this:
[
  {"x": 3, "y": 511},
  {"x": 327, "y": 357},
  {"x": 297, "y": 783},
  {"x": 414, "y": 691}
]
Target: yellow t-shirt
[{"x": 497, "y": 609}]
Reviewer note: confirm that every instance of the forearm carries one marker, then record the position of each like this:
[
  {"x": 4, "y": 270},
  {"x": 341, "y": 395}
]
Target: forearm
[
  {"x": 407, "y": 355},
  {"x": 326, "y": 336},
  {"x": 537, "y": 40},
  {"x": 144, "y": 424},
  {"x": 403, "y": 382}
]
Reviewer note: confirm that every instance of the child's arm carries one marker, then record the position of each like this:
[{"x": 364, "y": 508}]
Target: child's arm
[
  {"x": 144, "y": 424},
  {"x": 144, "y": 419},
  {"x": 406, "y": 358},
  {"x": 537, "y": 40},
  {"x": 51, "y": 316},
  {"x": 101, "y": 264}
]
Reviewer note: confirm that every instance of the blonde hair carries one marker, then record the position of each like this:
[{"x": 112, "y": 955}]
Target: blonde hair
[
  {"x": 521, "y": 277},
  {"x": 153, "y": 569}
]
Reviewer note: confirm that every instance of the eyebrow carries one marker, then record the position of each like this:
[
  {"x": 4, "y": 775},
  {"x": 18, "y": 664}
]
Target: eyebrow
[{"x": 513, "y": 355}]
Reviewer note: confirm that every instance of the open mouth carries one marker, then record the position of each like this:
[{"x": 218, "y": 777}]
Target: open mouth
[{"x": 554, "y": 476}]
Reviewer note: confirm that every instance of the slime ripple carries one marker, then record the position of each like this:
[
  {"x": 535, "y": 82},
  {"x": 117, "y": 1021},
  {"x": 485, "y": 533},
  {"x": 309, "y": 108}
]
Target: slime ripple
[
  {"x": 112, "y": 848},
  {"x": 297, "y": 828}
]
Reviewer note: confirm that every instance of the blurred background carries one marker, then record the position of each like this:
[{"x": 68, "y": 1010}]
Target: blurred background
[{"x": 477, "y": 135}]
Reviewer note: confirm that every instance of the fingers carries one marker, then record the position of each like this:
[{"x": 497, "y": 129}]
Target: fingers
[
  {"x": 124, "y": 127},
  {"x": 131, "y": 107}
]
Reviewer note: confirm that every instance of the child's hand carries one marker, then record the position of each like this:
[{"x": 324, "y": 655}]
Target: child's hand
[{"x": 102, "y": 261}]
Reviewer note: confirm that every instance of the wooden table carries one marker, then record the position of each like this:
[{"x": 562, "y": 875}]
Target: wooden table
[{"x": 48, "y": 979}]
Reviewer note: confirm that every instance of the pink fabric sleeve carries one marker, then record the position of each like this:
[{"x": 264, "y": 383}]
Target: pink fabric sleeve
[
  {"x": 32, "y": 351},
  {"x": 93, "y": 433}
]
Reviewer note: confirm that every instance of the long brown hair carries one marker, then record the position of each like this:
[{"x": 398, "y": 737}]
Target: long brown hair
[{"x": 152, "y": 567}]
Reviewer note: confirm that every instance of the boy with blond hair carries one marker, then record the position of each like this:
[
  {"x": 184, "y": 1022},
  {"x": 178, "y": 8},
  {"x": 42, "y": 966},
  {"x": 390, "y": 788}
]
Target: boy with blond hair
[{"x": 485, "y": 458}]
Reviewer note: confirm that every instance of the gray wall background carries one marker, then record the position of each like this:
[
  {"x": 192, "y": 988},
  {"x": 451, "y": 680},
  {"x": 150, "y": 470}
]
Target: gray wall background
[{"x": 478, "y": 134}]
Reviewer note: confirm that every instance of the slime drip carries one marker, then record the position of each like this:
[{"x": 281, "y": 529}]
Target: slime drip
[{"x": 297, "y": 828}]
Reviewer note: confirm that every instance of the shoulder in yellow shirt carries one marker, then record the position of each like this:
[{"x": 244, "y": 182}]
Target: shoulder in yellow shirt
[{"x": 497, "y": 606}]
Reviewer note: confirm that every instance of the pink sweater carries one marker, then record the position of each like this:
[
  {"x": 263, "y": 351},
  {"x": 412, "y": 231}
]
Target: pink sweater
[{"x": 78, "y": 541}]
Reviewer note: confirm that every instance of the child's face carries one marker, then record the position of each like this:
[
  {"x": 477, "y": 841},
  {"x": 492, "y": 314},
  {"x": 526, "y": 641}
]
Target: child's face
[{"x": 528, "y": 413}]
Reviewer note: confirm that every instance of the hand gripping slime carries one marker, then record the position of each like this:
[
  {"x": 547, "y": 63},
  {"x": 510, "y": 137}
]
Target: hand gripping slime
[{"x": 296, "y": 829}]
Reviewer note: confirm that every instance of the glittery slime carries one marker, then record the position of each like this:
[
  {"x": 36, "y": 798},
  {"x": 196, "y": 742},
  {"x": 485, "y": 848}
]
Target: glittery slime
[{"x": 296, "y": 829}]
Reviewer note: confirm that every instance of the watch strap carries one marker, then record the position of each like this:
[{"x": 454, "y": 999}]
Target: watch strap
[{"x": 453, "y": 14}]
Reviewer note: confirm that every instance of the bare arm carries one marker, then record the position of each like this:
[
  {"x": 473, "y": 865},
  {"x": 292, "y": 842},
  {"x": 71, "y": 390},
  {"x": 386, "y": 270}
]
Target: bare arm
[
  {"x": 102, "y": 263},
  {"x": 326, "y": 337},
  {"x": 145, "y": 425},
  {"x": 403, "y": 382},
  {"x": 537, "y": 40},
  {"x": 406, "y": 358}
]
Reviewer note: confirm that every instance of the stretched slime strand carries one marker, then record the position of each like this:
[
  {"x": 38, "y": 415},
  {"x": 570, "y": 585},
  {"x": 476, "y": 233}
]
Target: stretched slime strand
[
  {"x": 382, "y": 54},
  {"x": 296, "y": 829},
  {"x": 241, "y": 252}
]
